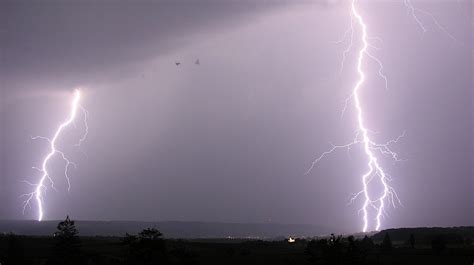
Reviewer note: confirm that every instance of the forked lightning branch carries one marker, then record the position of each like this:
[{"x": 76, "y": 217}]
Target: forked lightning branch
[
  {"x": 376, "y": 193},
  {"x": 46, "y": 179}
]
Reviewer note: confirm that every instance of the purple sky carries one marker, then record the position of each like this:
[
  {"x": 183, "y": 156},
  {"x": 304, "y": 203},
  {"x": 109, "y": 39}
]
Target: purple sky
[{"x": 230, "y": 140}]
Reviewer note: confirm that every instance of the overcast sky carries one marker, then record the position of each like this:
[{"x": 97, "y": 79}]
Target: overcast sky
[{"x": 230, "y": 139}]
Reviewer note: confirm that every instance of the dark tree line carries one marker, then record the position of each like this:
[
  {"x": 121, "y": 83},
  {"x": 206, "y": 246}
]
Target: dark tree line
[
  {"x": 149, "y": 247},
  {"x": 339, "y": 250}
]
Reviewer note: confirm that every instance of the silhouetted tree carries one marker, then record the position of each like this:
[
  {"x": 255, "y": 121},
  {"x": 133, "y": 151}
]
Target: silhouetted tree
[
  {"x": 335, "y": 245},
  {"x": 67, "y": 246},
  {"x": 367, "y": 243},
  {"x": 366, "y": 246},
  {"x": 353, "y": 252},
  {"x": 128, "y": 239},
  {"x": 412, "y": 240},
  {"x": 326, "y": 251},
  {"x": 386, "y": 243},
  {"x": 146, "y": 248},
  {"x": 315, "y": 249},
  {"x": 438, "y": 244},
  {"x": 14, "y": 253}
]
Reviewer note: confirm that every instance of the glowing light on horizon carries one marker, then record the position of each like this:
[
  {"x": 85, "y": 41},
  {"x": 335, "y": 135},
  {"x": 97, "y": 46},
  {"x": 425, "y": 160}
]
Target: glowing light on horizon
[{"x": 40, "y": 187}]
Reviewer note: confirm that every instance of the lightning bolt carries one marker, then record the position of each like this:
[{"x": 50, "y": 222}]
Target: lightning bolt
[
  {"x": 375, "y": 171},
  {"x": 374, "y": 167},
  {"x": 415, "y": 12},
  {"x": 363, "y": 135},
  {"x": 40, "y": 187}
]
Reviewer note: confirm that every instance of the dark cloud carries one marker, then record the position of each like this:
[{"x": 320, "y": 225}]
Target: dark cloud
[{"x": 82, "y": 39}]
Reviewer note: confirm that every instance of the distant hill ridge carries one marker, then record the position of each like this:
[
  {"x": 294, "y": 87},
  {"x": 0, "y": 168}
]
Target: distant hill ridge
[
  {"x": 171, "y": 229},
  {"x": 426, "y": 234}
]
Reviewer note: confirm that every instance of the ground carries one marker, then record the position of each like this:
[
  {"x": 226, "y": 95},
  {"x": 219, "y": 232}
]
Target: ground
[{"x": 112, "y": 250}]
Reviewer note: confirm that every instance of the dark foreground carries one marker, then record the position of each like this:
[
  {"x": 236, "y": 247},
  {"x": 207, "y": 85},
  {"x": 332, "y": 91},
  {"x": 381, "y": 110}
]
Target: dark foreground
[{"x": 401, "y": 246}]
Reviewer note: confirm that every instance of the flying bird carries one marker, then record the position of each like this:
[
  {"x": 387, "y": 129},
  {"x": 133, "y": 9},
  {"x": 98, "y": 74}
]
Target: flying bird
[
  {"x": 197, "y": 62},
  {"x": 177, "y": 63}
]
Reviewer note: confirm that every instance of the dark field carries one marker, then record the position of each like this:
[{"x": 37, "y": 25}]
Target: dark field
[{"x": 422, "y": 246}]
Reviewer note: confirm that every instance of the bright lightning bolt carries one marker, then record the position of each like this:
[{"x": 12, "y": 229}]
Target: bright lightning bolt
[
  {"x": 39, "y": 187},
  {"x": 374, "y": 169},
  {"x": 371, "y": 148}
]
